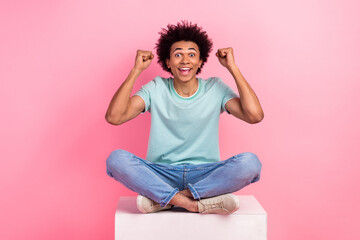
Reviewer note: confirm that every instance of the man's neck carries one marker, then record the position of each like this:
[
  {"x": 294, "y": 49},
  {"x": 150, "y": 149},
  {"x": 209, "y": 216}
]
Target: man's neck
[{"x": 186, "y": 89}]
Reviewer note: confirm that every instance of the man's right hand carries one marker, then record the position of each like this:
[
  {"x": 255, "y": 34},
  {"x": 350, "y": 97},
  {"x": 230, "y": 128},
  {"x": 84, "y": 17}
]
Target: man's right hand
[{"x": 143, "y": 59}]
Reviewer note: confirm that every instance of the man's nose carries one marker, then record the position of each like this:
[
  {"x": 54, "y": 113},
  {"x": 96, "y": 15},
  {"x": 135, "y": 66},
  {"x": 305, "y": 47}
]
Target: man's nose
[{"x": 185, "y": 59}]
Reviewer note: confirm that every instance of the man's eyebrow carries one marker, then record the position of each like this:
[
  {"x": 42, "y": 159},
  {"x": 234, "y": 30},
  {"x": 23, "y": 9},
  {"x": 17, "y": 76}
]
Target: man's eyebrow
[{"x": 182, "y": 49}]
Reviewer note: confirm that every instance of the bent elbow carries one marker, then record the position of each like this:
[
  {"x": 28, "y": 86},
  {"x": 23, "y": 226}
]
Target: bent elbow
[
  {"x": 256, "y": 119},
  {"x": 113, "y": 121}
]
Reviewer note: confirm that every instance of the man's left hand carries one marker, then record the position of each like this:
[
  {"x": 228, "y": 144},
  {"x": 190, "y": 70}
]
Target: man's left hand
[{"x": 226, "y": 57}]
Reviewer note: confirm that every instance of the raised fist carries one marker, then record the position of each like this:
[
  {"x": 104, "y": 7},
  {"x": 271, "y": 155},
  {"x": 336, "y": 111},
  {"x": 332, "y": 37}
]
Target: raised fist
[{"x": 143, "y": 59}]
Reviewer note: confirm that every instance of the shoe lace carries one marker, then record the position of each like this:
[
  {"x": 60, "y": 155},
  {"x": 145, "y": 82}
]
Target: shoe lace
[
  {"x": 154, "y": 204},
  {"x": 212, "y": 204}
]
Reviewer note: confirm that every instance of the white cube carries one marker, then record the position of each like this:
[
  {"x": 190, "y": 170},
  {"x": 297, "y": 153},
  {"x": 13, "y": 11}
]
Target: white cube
[{"x": 249, "y": 222}]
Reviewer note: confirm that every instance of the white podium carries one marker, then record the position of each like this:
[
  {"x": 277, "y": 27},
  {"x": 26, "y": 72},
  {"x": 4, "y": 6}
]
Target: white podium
[{"x": 249, "y": 222}]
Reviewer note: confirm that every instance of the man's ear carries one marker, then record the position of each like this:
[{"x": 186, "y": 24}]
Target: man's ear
[{"x": 167, "y": 62}]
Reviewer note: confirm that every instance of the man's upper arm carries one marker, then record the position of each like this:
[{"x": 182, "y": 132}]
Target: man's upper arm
[
  {"x": 234, "y": 107},
  {"x": 135, "y": 107}
]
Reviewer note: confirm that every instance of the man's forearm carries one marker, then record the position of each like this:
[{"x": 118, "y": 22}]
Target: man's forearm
[{"x": 249, "y": 102}]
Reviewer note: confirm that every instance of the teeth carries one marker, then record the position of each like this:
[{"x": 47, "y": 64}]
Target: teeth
[{"x": 184, "y": 69}]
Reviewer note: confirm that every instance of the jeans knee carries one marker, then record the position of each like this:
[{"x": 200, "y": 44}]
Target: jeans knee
[
  {"x": 254, "y": 162},
  {"x": 250, "y": 161},
  {"x": 116, "y": 157}
]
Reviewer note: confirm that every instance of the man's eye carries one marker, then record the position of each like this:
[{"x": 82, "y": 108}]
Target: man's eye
[
  {"x": 191, "y": 55},
  {"x": 177, "y": 55}
]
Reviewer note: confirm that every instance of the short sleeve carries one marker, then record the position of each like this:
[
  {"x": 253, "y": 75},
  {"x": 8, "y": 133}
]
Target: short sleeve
[
  {"x": 227, "y": 93},
  {"x": 146, "y": 92}
]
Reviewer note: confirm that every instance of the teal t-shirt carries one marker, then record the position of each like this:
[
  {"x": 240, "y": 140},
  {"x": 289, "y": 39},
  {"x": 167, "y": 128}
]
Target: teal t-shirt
[{"x": 184, "y": 129}]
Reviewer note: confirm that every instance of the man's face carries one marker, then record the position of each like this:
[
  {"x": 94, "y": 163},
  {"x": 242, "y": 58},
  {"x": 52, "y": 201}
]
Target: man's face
[{"x": 184, "y": 60}]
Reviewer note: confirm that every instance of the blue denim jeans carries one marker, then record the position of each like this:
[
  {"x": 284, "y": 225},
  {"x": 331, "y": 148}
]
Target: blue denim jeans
[{"x": 160, "y": 182}]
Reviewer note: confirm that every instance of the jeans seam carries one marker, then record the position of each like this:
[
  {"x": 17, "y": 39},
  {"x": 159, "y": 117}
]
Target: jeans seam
[
  {"x": 193, "y": 191},
  {"x": 184, "y": 177}
]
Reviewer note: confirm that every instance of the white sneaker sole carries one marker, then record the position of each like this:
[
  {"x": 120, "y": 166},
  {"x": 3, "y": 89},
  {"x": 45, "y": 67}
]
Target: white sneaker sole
[
  {"x": 236, "y": 199},
  {"x": 138, "y": 203}
]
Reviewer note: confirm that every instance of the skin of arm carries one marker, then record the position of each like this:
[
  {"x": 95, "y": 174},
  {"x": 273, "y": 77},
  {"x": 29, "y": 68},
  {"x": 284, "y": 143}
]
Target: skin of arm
[
  {"x": 116, "y": 112},
  {"x": 247, "y": 107}
]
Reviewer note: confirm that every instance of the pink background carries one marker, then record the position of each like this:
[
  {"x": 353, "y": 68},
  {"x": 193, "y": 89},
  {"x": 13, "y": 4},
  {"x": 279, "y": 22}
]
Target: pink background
[{"x": 62, "y": 61}]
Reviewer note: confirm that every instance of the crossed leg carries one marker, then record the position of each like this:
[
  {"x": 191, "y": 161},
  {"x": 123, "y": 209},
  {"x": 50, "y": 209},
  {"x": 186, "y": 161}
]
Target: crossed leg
[
  {"x": 235, "y": 174},
  {"x": 240, "y": 170},
  {"x": 185, "y": 200}
]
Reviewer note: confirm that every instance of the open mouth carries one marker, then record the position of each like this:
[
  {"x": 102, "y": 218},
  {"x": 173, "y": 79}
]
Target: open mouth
[{"x": 185, "y": 70}]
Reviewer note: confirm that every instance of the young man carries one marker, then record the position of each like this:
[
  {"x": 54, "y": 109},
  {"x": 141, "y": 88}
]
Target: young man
[{"x": 183, "y": 165}]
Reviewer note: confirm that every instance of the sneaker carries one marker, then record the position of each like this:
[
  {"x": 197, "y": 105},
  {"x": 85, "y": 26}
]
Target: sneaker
[
  {"x": 146, "y": 205},
  {"x": 222, "y": 204}
]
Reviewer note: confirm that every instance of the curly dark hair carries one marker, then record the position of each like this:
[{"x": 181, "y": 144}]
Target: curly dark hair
[{"x": 183, "y": 31}]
